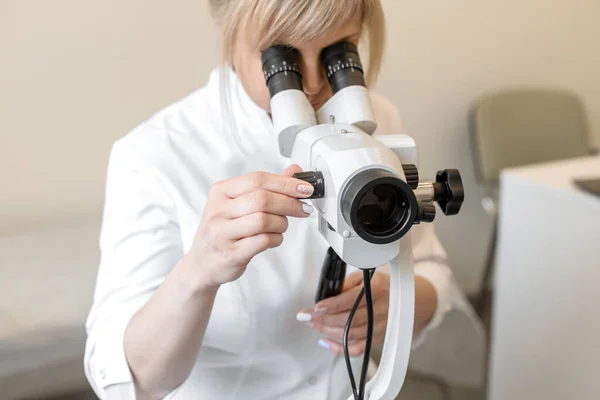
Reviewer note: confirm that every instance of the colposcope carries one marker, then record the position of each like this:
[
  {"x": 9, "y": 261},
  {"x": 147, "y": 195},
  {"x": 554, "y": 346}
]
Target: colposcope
[{"x": 367, "y": 194}]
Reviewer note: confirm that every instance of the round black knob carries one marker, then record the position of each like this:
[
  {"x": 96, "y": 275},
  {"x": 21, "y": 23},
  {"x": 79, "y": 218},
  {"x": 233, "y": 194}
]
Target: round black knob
[
  {"x": 449, "y": 191},
  {"x": 426, "y": 212},
  {"x": 412, "y": 175},
  {"x": 315, "y": 178}
]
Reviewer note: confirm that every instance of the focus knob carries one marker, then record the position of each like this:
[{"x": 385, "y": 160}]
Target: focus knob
[
  {"x": 449, "y": 191},
  {"x": 426, "y": 212},
  {"x": 412, "y": 175},
  {"x": 315, "y": 178}
]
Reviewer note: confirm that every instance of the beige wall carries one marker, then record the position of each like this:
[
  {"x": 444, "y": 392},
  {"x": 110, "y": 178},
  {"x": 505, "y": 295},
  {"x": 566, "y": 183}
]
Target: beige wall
[{"x": 75, "y": 75}]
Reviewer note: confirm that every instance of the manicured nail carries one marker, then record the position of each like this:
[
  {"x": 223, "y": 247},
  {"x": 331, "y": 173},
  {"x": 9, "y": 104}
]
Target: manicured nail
[
  {"x": 321, "y": 311},
  {"x": 306, "y": 189},
  {"x": 303, "y": 317},
  {"x": 324, "y": 344},
  {"x": 307, "y": 208}
]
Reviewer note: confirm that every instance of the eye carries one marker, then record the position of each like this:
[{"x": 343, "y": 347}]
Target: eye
[
  {"x": 282, "y": 45},
  {"x": 331, "y": 45}
]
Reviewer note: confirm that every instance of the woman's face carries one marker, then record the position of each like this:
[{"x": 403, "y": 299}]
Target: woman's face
[{"x": 248, "y": 66}]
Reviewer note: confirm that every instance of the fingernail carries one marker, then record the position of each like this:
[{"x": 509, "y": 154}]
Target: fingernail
[
  {"x": 324, "y": 344},
  {"x": 307, "y": 208},
  {"x": 306, "y": 189},
  {"x": 303, "y": 317},
  {"x": 321, "y": 311}
]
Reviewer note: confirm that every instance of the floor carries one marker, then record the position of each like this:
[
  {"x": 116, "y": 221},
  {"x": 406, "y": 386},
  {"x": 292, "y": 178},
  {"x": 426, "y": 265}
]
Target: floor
[
  {"x": 416, "y": 388},
  {"x": 421, "y": 388}
]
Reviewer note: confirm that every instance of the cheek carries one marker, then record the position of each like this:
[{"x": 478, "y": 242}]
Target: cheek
[{"x": 327, "y": 92}]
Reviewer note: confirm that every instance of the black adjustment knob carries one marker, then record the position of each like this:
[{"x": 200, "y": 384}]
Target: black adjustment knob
[
  {"x": 412, "y": 175},
  {"x": 315, "y": 178},
  {"x": 449, "y": 191},
  {"x": 426, "y": 212}
]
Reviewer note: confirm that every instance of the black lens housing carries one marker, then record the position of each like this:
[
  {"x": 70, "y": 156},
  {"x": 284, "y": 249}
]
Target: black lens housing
[
  {"x": 379, "y": 206},
  {"x": 341, "y": 62},
  {"x": 280, "y": 68},
  {"x": 343, "y": 66}
]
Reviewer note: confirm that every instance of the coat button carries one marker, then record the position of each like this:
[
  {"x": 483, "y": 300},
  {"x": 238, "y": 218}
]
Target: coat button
[{"x": 102, "y": 374}]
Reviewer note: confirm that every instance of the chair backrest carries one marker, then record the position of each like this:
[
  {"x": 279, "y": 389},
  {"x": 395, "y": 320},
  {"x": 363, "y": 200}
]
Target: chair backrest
[{"x": 526, "y": 126}]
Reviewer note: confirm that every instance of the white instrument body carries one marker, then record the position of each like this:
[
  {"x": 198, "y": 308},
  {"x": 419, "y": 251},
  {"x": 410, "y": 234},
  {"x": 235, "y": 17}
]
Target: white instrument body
[{"x": 338, "y": 141}]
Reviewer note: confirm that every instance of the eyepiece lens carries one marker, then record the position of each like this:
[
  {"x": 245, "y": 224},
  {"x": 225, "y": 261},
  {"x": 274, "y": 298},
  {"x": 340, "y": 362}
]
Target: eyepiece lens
[
  {"x": 280, "y": 68},
  {"x": 342, "y": 64}
]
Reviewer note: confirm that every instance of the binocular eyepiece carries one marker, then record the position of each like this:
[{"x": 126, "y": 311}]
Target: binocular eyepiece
[{"x": 341, "y": 62}]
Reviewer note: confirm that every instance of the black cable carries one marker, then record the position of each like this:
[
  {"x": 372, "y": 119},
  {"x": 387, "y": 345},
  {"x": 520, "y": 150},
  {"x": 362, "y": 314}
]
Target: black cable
[
  {"x": 347, "y": 332},
  {"x": 367, "y": 354}
]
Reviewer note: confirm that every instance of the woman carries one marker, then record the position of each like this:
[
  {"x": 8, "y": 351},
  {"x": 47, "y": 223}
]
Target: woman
[{"x": 210, "y": 259}]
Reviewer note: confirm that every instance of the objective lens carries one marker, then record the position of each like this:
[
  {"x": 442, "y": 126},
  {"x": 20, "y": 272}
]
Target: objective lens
[
  {"x": 379, "y": 206},
  {"x": 381, "y": 209}
]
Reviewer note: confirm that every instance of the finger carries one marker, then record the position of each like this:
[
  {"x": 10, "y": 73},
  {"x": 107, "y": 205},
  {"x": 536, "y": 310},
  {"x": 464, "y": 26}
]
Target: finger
[
  {"x": 340, "y": 303},
  {"x": 248, "y": 247},
  {"x": 334, "y": 332},
  {"x": 318, "y": 315},
  {"x": 352, "y": 280},
  {"x": 380, "y": 285},
  {"x": 291, "y": 170},
  {"x": 340, "y": 319},
  {"x": 380, "y": 310},
  {"x": 354, "y": 349},
  {"x": 355, "y": 333},
  {"x": 255, "y": 224},
  {"x": 360, "y": 332},
  {"x": 265, "y": 201},
  {"x": 240, "y": 185}
]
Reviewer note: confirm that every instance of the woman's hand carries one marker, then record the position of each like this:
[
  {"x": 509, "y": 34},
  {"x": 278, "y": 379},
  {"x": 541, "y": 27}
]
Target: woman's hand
[
  {"x": 330, "y": 315},
  {"x": 243, "y": 217}
]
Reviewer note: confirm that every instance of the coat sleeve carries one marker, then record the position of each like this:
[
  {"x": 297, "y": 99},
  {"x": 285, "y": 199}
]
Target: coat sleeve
[{"x": 140, "y": 242}]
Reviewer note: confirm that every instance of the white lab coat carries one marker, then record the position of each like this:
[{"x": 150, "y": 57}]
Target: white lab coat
[{"x": 158, "y": 178}]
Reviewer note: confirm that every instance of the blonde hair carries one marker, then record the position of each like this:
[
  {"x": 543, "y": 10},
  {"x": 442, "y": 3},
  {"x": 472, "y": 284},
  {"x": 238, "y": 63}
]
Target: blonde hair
[{"x": 268, "y": 22}]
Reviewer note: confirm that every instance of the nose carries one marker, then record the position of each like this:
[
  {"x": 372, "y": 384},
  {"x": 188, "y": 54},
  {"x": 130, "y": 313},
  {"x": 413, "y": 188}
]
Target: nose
[{"x": 313, "y": 76}]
